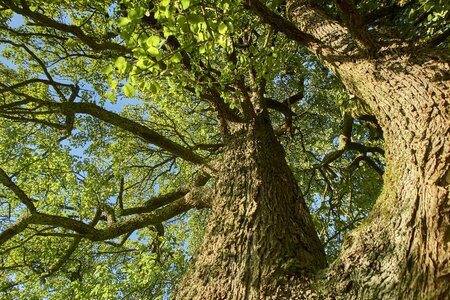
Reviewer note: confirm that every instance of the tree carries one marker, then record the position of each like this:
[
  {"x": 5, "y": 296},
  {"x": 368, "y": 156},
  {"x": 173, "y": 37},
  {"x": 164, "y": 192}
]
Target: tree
[{"x": 220, "y": 65}]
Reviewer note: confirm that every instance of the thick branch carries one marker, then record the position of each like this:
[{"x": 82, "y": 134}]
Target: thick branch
[
  {"x": 283, "y": 25},
  {"x": 356, "y": 26},
  {"x": 45, "y": 21},
  {"x": 142, "y": 131},
  {"x": 6, "y": 181},
  {"x": 246, "y": 103},
  {"x": 385, "y": 11},
  {"x": 436, "y": 40},
  {"x": 371, "y": 163},
  {"x": 115, "y": 119},
  {"x": 119, "y": 228},
  {"x": 162, "y": 200},
  {"x": 156, "y": 202},
  {"x": 364, "y": 149},
  {"x": 15, "y": 229}
]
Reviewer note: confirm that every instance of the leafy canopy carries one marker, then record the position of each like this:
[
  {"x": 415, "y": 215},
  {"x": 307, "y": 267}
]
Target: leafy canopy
[{"x": 112, "y": 113}]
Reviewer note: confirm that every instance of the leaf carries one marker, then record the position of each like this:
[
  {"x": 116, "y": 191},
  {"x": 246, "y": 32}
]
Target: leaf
[
  {"x": 112, "y": 83},
  {"x": 136, "y": 13},
  {"x": 107, "y": 70},
  {"x": 142, "y": 63},
  {"x": 185, "y": 3},
  {"x": 123, "y": 21},
  {"x": 153, "y": 51},
  {"x": 176, "y": 58},
  {"x": 195, "y": 19},
  {"x": 139, "y": 52},
  {"x": 230, "y": 26},
  {"x": 154, "y": 87},
  {"x": 110, "y": 96},
  {"x": 128, "y": 90},
  {"x": 165, "y": 2},
  {"x": 153, "y": 41},
  {"x": 121, "y": 64},
  {"x": 222, "y": 28}
]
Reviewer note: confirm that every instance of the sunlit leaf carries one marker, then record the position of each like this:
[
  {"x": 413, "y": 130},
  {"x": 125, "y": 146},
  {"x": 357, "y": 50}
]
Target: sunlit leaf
[{"x": 128, "y": 90}]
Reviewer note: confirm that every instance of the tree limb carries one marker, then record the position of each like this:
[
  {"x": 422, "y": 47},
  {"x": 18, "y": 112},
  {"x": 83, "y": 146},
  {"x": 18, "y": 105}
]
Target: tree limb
[
  {"x": 117, "y": 120},
  {"x": 6, "y": 181},
  {"x": 436, "y": 40},
  {"x": 142, "y": 131},
  {"x": 355, "y": 23},
  {"x": 283, "y": 25},
  {"x": 162, "y": 200},
  {"x": 19, "y": 226},
  {"x": 45, "y": 21}
]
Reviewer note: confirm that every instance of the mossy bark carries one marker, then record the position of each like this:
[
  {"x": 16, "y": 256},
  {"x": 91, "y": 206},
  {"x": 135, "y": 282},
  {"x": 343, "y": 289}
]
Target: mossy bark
[
  {"x": 403, "y": 249},
  {"x": 260, "y": 231}
]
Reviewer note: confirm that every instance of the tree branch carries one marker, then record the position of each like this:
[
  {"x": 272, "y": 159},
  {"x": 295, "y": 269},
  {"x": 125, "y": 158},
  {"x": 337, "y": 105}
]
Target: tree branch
[
  {"x": 162, "y": 200},
  {"x": 283, "y": 25},
  {"x": 142, "y": 131},
  {"x": 19, "y": 226},
  {"x": 7, "y": 88},
  {"x": 371, "y": 163},
  {"x": 6, "y": 181},
  {"x": 73, "y": 246},
  {"x": 385, "y": 11},
  {"x": 436, "y": 40},
  {"x": 45, "y": 21},
  {"x": 364, "y": 149},
  {"x": 117, "y": 120},
  {"x": 355, "y": 23}
]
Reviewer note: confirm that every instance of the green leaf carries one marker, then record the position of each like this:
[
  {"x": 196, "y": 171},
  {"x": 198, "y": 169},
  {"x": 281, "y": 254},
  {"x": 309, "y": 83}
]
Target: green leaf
[
  {"x": 107, "y": 70},
  {"x": 142, "y": 63},
  {"x": 222, "y": 28},
  {"x": 230, "y": 26},
  {"x": 176, "y": 58},
  {"x": 195, "y": 19},
  {"x": 185, "y": 3},
  {"x": 121, "y": 64},
  {"x": 112, "y": 83},
  {"x": 110, "y": 96},
  {"x": 139, "y": 52},
  {"x": 123, "y": 21},
  {"x": 165, "y": 2},
  {"x": 128, "y": 90},
  {"x": 153, "y": 41},
  {"x": 136, "y": 13},
  {"x": 154, "y": 87},
  {"x": 153, "y": 51}
]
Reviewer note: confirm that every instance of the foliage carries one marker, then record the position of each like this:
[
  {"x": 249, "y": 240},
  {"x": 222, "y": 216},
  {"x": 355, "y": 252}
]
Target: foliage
[{"x": 110, "y": 106}]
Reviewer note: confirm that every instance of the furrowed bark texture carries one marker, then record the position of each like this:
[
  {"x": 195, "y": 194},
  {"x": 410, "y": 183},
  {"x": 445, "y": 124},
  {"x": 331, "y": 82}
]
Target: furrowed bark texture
[
  {"x": 403, "y": 250},
  {"x": 260, "y": 230}
]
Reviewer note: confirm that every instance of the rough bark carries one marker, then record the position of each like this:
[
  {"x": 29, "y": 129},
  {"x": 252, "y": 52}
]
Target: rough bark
[
  {"x": 260, "y": 232},
  {"x": 403, "y": 249}
]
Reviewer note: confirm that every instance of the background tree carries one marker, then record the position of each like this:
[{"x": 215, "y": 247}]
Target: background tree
[{"x": 230, "y": 106}]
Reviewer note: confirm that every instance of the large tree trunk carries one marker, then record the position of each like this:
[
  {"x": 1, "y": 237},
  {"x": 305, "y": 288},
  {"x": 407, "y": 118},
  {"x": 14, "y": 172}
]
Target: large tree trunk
[
  {"x": 403, "y": 250},
  {"x": 260, "y": 230}
]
